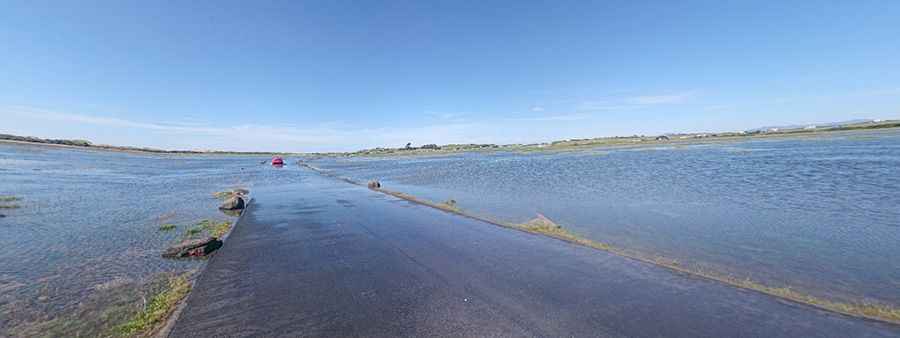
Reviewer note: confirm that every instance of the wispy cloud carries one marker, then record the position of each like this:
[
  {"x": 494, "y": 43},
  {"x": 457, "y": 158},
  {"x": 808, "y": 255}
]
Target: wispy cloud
[
  {"x": 554, "y": 117},
  {"x": 537, "y": 108},
  {"x": 447, "y": 116},
  {"x": 319, "y": 137},
  {"x": 661, "y": 99}
]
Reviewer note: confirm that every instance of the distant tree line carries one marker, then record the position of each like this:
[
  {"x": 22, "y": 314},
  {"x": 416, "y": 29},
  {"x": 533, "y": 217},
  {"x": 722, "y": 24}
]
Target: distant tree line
[{"x": 77, "y": 143}]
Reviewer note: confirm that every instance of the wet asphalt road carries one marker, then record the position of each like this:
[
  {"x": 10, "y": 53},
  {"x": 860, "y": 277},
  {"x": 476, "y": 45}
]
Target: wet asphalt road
[{"x": 325, "y": 258}]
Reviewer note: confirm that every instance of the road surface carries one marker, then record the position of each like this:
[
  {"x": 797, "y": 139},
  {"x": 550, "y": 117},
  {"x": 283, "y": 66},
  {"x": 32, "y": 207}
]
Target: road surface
[{"x": 326, "y": 258}]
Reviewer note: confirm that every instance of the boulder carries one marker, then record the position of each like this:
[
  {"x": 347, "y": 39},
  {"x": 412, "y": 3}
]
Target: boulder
[
  {"x": 235, "y": 202},
  {"x": 193, "y": 248},
  {"x": 240, "y": 191},
  {"x": 374, "y": 184}
]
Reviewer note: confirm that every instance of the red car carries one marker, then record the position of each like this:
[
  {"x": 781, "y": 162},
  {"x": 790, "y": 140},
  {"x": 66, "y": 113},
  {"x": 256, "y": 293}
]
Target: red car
[{"x": 277, "y": 161}]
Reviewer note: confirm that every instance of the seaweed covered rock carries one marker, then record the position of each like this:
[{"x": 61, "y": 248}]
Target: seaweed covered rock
[
  {"x": 235, "y": 202},
  {"x": 373, "y": 184},
  {"x": 193, "y": 248}
]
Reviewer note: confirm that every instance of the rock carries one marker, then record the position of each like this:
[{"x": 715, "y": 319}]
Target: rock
[
  {"x": 235, "y": 202},
  {"x": 240, "y": 191},
  {"x": 374, "y": 184},
  {"x": 2, "y": 215},
  {"x": 193, "y": 248}
]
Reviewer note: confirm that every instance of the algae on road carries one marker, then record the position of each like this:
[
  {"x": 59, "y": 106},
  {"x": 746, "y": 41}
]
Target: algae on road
[
  {"x": 158, "y": 310},
  {"x": 6, "y": 202}
]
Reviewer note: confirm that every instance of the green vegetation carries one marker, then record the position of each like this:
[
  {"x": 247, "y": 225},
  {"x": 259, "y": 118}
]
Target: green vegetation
[
  {"x": 88, "y": 144},
  {"x": 545, "y": 227},
  {"x": 449, "y": 205},
  {"x": 216, "y": 229},
  {"x": 167, "y": 227},
  {"x": 78, "y": 143},
  {"x": 223, "y": 194},
  {"x": 613, "y": 142},
  {"x": 6, "y": 202},
  {"x": 158, "y": 309},
  {"x": 213, "y": 228},
  {"x": 105, "y": 312},
  {"x": 193, "y": 231}
]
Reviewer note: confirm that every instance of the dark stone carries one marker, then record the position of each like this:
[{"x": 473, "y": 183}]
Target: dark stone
[
  {"x": 193, "y": 248},
  {"x": 2, "y": 215},
  {"x": 235, "y": 202},
  {"x": 374, "y": 184}
]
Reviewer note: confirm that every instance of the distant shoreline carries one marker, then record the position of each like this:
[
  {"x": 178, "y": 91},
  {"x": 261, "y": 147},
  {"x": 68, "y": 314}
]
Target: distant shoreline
[
  {"x": 134, "y": 150},
  {"x": 432, "y": 149},
  {"x": 618, "y": 142}
]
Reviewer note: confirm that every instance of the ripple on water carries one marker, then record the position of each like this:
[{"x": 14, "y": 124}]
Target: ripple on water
[
  {"x": 89, "y": 223},
  {"x": 818, "y": 214}
]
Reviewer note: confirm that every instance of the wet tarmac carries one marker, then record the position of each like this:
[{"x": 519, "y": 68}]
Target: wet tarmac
[{"x": 325, "y": 258}]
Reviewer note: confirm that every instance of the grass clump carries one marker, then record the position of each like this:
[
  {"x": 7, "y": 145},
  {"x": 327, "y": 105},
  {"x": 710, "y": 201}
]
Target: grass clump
[
  {"x": 167, "y": 227},
  {"x": 6, "y": 202},
  {"x": 193, "y": 231},
  {"x": 216, "y": 229},
  {"x": 223, "y": 194},
  {"x": 10, "y": 198},
  {"x": 158, "y": 309},
  {"x": 544, "y": 226},
  {"x": 449, "y": 205},
  {"x": 213, "y": 228}
]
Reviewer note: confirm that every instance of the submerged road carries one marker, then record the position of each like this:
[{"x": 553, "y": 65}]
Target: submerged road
[{"x": 325, "y": 258}]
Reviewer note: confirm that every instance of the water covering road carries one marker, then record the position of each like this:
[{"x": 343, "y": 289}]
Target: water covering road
[{"x": 325, "y": 258}]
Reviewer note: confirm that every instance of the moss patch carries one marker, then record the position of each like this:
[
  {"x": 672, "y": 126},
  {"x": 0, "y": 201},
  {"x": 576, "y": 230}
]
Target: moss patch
[
  {"x": 449, "y": 205},
  {"x": 193, "y": 231},
  {"x": 223, "y": 194},
  {"x": 9, "y": 198},
  {"x": 167, "y": 227},
  {"x": 213, "y": 228},
  {"x": 158, "y": 309},
  {"x": 105, "y": 312},
  {"x": 216, "y": 229}
]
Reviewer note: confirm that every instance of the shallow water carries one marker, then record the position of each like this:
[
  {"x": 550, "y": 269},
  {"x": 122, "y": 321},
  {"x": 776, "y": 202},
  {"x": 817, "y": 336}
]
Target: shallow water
[
  {"x": 818, "y": 214},
  {"x": 89, "y": 220},
  {"x": 326, "y": 258}
]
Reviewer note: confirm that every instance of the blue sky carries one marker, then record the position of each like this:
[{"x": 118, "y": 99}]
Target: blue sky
[{"x": 343, "y": 75}]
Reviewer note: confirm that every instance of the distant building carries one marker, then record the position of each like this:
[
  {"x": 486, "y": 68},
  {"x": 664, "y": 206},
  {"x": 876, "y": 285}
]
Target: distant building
[{"x": 431, "y": 147}]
